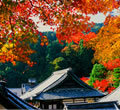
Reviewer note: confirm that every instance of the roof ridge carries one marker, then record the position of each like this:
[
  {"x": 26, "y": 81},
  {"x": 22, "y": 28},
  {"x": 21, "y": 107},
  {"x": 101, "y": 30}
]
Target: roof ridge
[
  {"x": 62, "y": 75},
  {"x": 54, "y": 80},
  {"x": 52, "y": 83},
  {"x": 49, "y": 77},
  {"x": 62, "y": 71}
]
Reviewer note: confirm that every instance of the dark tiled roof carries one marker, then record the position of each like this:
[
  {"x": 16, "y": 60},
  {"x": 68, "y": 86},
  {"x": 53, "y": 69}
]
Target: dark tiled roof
[
  {"x": 67, "y": 93},
  {"x": 50, "y": 82},
  {"x": 51, "y": 88},
  {"x": 17, "y": 101},
  {"x": 10, "y": 101},
  {"x": 16, "y": 91},
  {"x": 96, "y": 106}
]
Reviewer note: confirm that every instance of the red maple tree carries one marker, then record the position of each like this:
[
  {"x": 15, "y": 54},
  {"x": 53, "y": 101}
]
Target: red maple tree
[{"x": 18, "y": 30}]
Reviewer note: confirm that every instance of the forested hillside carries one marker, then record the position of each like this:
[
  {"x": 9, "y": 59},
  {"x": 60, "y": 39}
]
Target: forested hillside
[
  {"x": 54, "y": 56},
  {"x": 26, "y": 52}
]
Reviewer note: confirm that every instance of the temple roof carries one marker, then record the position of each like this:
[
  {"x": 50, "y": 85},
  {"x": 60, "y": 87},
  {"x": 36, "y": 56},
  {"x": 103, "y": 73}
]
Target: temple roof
[
  {"x": 16, "y": 91},
  {"x": 113, "y": 96},
  {"x": 60, "y": 85},
  {"x": 67, "y": 93},
  {"x": 111, "y": 105},
  {"x": 10, "y": 101}
]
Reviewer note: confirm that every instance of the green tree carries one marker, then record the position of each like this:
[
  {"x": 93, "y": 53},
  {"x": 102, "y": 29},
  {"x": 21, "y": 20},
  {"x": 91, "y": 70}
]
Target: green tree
[
  {"x": 13, "y": 74},
  {"x": 97, "y": 73},
  {"x": 78, "y": 58},
  {"x": 116, "y": 74},
  {"x": 53, "y": 50},
  {"x": 58, "y": 63}
]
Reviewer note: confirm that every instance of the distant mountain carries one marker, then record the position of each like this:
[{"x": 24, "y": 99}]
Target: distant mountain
[
  {"x": 52, "y": 35},
  {"x": 97, "y": 27}
]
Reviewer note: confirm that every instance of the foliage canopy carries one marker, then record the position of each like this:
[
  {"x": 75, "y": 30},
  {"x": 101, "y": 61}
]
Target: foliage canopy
[{"x": 17, "y": 29}]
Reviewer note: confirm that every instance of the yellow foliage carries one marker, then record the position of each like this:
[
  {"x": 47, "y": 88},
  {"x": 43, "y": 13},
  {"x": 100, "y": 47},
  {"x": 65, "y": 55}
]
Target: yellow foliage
[{"x": 107, "y": 42}]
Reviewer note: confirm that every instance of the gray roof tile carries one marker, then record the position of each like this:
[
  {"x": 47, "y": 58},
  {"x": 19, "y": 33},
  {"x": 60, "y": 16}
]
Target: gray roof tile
[
  {"x": 112, "y": 105},
  {"x": 113, "y": 96},
  {"x": 47, "y": 87}
]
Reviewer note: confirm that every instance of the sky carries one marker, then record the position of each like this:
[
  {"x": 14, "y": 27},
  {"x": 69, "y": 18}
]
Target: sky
[{"x": 99, "y": 18}]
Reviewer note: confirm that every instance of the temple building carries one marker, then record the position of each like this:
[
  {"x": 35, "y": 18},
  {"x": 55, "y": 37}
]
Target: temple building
[
  {"x": 110, "y": 105},
  {"x": 60, "y": 88},
  {"x": 9, "y": 100}
]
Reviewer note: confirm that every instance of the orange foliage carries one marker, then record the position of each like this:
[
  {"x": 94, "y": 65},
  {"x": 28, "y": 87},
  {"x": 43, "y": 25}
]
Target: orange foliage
[
  {"x": 111, "y": 64},
  {"x": 44, "y": 41},
  {"x": 110, "y": 89},
  {"x": 85, "y": 79},
  {"x": 86, "y": 37},
  {"x": 103, "y": 85},
  {"x": 17, "y": 27},
  {"x": 107, "y": 42}
]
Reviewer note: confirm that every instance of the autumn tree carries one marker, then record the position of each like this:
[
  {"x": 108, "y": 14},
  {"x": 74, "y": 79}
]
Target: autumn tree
[
  {"x": 22, "y": 71},
  {"x": 18, "y": 30},
  {"x": 107, "y": 42},
  {"x": 102, "y": 79},
  {"x": 112, "y": 64}
]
